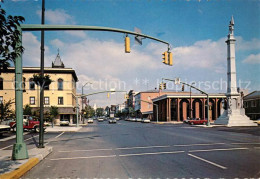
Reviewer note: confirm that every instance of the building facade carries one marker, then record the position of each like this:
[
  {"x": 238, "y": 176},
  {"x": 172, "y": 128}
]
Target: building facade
[
  {"x": 183, "y": 105},
  {"x": 252, "y": 105},
  {"x": 60, "y": 93}
]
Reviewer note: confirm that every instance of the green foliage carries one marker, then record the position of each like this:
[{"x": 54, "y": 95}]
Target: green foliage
[
  {"x": 54, "y": 111},
  {"x": 10, "y": 44},
  {"x": 100, "y": 111},
  {"x": 42, "y": 80},
  {"x": 88, "y": 112},
  {"x": 6, "y": 111},
  {"x": 27, "y": 110}
]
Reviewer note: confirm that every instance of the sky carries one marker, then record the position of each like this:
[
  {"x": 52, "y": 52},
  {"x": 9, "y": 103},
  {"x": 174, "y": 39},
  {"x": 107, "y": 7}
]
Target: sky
[{"x": 196, "y": 29}]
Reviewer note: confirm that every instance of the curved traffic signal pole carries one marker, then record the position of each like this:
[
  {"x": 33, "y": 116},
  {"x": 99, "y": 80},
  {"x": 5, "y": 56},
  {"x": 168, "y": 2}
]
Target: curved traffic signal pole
[
  {"x": 38, "y": 27},
  {"x": 203, "y": 92}
]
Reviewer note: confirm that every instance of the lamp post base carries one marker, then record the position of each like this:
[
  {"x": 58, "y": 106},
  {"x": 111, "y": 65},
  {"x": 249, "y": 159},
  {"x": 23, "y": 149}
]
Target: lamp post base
[{"x": 19, "y": 151}]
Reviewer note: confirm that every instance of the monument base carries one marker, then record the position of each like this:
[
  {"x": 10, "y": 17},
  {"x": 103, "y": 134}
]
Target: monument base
[{"x": 234, "y": 119}]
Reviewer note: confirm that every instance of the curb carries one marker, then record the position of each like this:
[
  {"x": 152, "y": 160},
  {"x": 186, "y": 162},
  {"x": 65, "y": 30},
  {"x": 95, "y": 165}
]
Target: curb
[{"x": 21, "y": 170}]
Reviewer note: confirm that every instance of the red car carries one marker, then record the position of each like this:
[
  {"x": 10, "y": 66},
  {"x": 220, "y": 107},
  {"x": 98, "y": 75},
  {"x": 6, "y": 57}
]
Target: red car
[
  {"x": 29, "y": 124},
  {"x": 197, "y": 121}
]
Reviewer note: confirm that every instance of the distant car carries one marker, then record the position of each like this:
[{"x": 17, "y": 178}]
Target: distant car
[
  {"x": 100, "y": 119},
  {"x": 145, "y": 120},
  {"x": 187, "y": 120},
  {"x": 117, "y": 118},
  {"x": 90, "y": 120},
  {"x": 64, "y": 122},
  {"x": 112, "y": 121},
  {"x": 133, "y": 119},
  {"x": 138, "y": 120},
  {"x": 197, "y": 121},
  {"x": 257, "y": 121}
]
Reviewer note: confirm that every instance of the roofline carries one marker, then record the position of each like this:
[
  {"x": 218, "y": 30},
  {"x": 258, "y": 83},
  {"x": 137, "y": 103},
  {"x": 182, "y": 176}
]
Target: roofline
[{"x": 188, "y": 96}]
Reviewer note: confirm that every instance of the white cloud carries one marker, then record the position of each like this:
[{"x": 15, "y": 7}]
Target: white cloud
[
  {"x": 80, "y": 34},
  {"x": 57, "y": 16},
  {"x": 252, "y": 59},
  {"x": 57, "y": 43},
  {"x": 253, "y": 44}
]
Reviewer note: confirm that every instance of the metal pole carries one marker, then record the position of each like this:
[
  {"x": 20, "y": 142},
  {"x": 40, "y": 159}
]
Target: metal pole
[
  {"x": 77, "y": 109},
  {"x": 190, "y": 104},
  {"x": 19, "y": 148},
  {"x": 157, "y": 113},
  {"x": 82, "y": 118},
  {"x": 208, "y": 123},
  {"x": 41, "y": 138}
]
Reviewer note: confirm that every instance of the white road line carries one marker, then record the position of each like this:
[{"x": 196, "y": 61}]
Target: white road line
[
  {"x": 83, "y": 150},
  {"x": 210, "y": 150},
  {"x": 74, "y": 158},
  {"x": 12, "y": 144},
  {"x": 59, "y": 135},
  {"x": 11, "y": 137},
  {"x": 186, "y": 145},
  {"x": 156, "y": 153},
  {"x": 245, "y": 143},
  {"x": 143, "y": 147},
  {"x": 212, "y": 163}
]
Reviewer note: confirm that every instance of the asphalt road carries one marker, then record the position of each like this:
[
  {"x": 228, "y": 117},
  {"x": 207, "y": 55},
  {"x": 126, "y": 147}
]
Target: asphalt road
[{"x": 137, "y": 150}]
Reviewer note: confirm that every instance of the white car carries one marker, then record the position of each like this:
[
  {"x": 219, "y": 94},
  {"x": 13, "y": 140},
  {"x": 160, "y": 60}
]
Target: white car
[
  {"x": 64, "y": 122},
  {"x": 146, "y": 120},
  {"x": 100, "y": 119},
  {"x": 133, "y": 119},
  {"x": 138, "y": 119},
  {"x": 90, "y": 120}
]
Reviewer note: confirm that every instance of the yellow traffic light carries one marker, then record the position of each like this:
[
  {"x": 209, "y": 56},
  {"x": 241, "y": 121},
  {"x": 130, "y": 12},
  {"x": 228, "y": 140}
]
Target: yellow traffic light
[
  {"x": 126, "y": 96},
  {"x": 164, "y": 85},
  {"x": 165, "y": 57},
  {"x": 170, "y": 58},
  {"x": 127, "y": 44},
  {"x": 108, "y": 94}
]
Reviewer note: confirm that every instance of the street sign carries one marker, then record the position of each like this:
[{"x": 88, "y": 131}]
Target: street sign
[{"x": 138, "y": 39}]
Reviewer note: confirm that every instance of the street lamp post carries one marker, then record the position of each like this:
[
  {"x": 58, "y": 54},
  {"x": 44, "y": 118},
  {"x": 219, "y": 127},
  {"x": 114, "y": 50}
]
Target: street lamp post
[
  {"x": 82, "y": 92},
  {"x": 191, "y": 102}
]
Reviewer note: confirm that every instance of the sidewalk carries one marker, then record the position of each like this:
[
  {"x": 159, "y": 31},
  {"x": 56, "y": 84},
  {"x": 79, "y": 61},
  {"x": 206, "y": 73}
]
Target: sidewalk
[
  {"x": 70, "y": 128},
  {"x": 14, "y": 169}
]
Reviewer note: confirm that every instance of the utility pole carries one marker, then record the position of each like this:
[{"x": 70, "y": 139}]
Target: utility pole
[{"x": 41, "y": 137}]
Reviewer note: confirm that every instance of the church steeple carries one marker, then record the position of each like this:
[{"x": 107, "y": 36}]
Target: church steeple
[{"x": 57, "y": 62}]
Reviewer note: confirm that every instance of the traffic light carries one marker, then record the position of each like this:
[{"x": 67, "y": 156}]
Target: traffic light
[
  {"x": 170, "y": 58},
  {"x": 182, "y": 88},
  {"x": 108, "y": 95},
  {"x": 161, "y": 86},
  {"x": 127, "y": 44},
  {"x": 165, "y": 57},
  {"x": 164, "y": 85},
  {"x": 126, "y": 96}
]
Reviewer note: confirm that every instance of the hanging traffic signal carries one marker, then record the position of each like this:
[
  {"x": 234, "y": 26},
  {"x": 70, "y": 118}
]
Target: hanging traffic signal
[
  {"x": 164, "y": 85},
  {"x": 170, "y": 58},
  {"x": 126, "y": 96},
  {"x": 108, "y": 94},
  {"x": 127, "y": 44},
  {"x": 161, "y": 86},
  {"x": 182, "y": 88},
  {"x": 165, "y": 57}
]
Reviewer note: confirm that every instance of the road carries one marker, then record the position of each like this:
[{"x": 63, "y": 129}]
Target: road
[{"x": 137, "y": 150}]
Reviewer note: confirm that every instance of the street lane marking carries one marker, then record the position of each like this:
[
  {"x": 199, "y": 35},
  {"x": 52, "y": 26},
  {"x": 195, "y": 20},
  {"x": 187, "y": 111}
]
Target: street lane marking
[
  {"x": 74, "y": 158},
  {"x": 12, "y": 144},
  {"x": 186, "y": 145},
  {"x": 144, "y": 147},
  {"x": 212, "y": 163},
  {"x": 59, "y": 135},
  {"x": 83, "y": 150},
  {"x": 11, "y": 137},
  {"x": 209, "y": 150},
  {"x": 246, "y": 143},
  {"x": 156, "y": 153}
]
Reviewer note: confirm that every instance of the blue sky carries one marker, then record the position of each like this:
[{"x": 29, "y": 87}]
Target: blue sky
[{"x": 197, "y": 31}]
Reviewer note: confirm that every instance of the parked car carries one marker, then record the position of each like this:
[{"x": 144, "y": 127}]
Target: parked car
[
  {"x": 133, "y": 119},
  {"x": 100, "y": 119},
  {"x": 112, "y": 121},
  {"x": 64, "y": 122},
  {"x": 138, "y": 120},
  {"x": 145, "y": 120},
  {"x": 90, "y": 120},
  {"x": 30, "y": 124},
  {"x": 117, "y": 118},
  {"x": 4, "y": 129},
  {"x": 197, "y": 121}
]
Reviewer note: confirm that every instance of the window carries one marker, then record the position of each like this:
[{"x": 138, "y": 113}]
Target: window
[
  {"x": 60, "y": 84},
  {"x": 60, "y": 100},
  {"x": 245, "y": 104},
  {"x": 253, "y": 103},
  {"x": 1, "y": 99},
  {"x": 149, "y": 98},
  {"x": 31, "y": 84},
  {"x": 47, "y": 87},
  {"x": 24, "y": 79},
  {"x": 46, "y": 100},
  {"x": 1, "y": 84},
  {"x": 32, "y": 100}
]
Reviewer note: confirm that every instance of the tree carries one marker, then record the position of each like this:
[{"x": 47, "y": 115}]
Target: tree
[
  {"x": 6, "y": 111},
  {"x": 54, "y": 112},
  {"x": 27, "y": 110},
  {"x": 89, "y": 112},
  {"x": 9, "y": 39},
  {"x": 100, "y": 111}
]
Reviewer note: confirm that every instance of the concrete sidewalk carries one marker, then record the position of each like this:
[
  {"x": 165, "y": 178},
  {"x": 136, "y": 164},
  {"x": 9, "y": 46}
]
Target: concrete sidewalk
[
  {"x": 14, "y": 169},
  {"x": 70, "y": 128}
]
